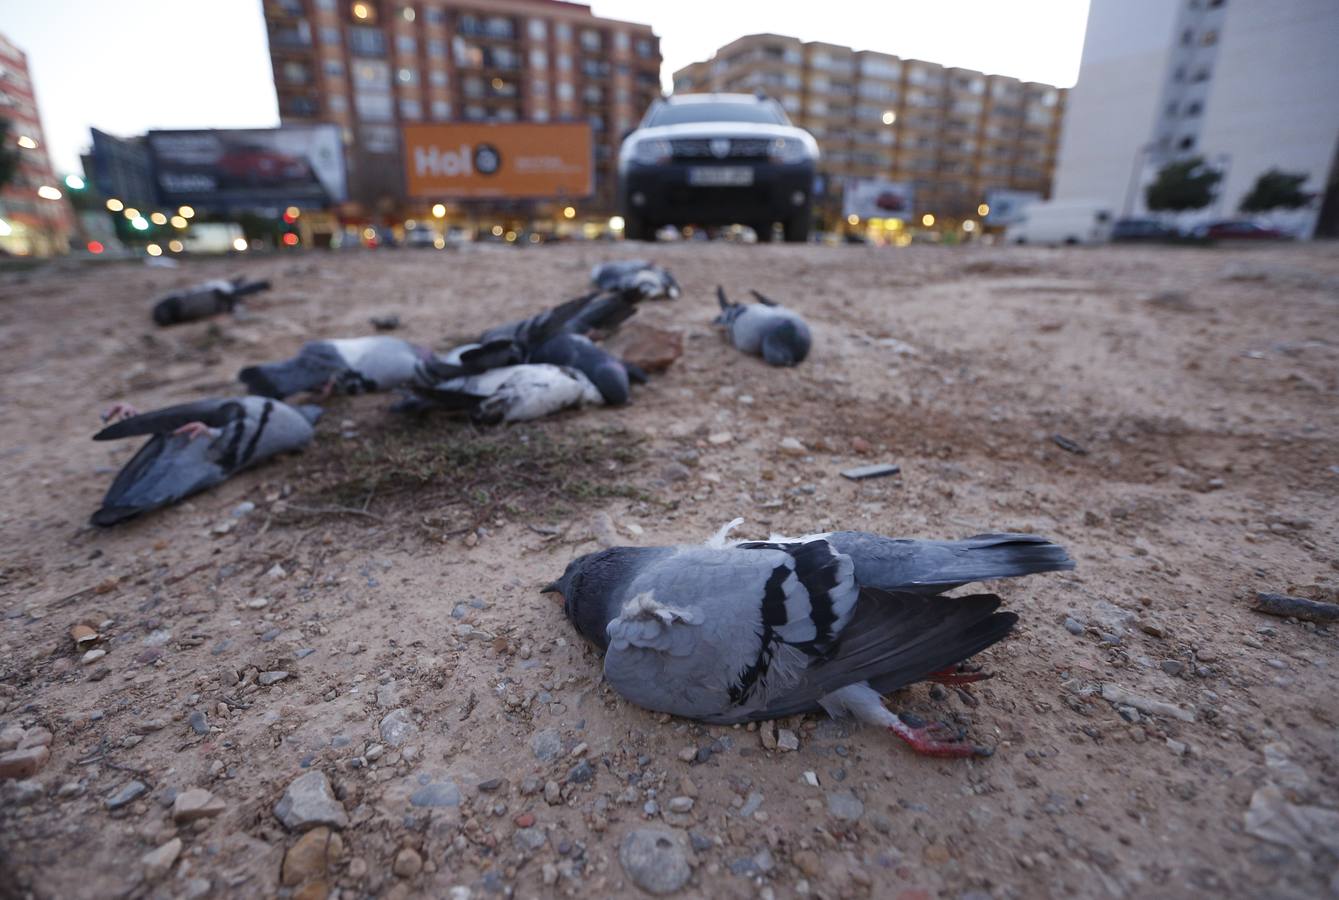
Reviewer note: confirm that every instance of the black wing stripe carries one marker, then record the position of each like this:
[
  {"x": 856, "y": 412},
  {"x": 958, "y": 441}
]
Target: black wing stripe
[
  {"x": 250, "y": 450},
  {"x": 773, "y": 616}
]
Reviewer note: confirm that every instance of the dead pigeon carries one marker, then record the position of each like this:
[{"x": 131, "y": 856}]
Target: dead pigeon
[
  {"x": 512, "y": 393},
  {"x": 596, "y": 311},
  {"x": 751, "y": 630},
  {"x": 646, "y": 279},
  {"x": 347, "y": 365},
  {"x": 204, "y": 300},
  {"x": 195, "y": 446},
  {"x": 765, "y": 329},
  {"x": 609, "y": 374}
]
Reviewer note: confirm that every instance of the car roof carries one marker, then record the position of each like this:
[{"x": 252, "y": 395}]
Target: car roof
[{"x": 688, "y": 99}]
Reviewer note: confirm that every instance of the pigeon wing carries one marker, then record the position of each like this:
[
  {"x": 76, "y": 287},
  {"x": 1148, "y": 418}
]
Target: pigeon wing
[{"x": 215, "y": 413}]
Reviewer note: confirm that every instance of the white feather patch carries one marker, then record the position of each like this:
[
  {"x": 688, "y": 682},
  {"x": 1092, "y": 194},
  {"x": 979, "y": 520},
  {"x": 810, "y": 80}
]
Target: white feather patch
[
  {"x": 645, "y": 606},
  {"x": 718, "y": 540}
]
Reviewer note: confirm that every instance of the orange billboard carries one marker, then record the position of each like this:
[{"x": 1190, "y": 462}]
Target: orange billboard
[{"x": 506, "y": 159}]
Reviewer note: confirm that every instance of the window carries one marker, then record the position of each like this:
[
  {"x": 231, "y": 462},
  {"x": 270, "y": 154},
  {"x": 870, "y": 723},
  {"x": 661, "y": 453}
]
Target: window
[
  {"x": 1187, "y": 37},
  {"x": 441, "y": 110},
  {"x": 621, "y": 41},
  {"x": 591, "y": 40},
  {"x": 330, "y": 36},
  {"x": 565, "y": 91},
  {"x": 564, "y": 62},
  {"x": 379, "y": 138},
  {"x": 406, "y": 45},
  {"x": 300, "y": 106},
  {"x": 437, "y": 49},
  {"x": 562, "y": 31},
  {"x": 1186, "y": 143},
  {"x": 366, "y": 41},
  {"x": 437, "y": 78},
  {"x": 538, "y": 29},
  {"x": 411, "y": 109},
  {"x": 338, "y": 103},
  {"x": 539, "y": 89},
  {"x": 505, "y": 114},
  {"x": 539, "y": 59},
  {"x": 540, "y": 115},
  {"x": 296, "y": 72},
  {"x": 333, "y": 68},
  {"x": 646, "y": 48},
  {"x": 474, "y": 112},
  {"x": 592, "y": 93},
  {"x": 1193, "y": 109},
  {"x": 373, "y": 107},
  {"x": 372, "y": 76},
  {"x": 435, "y": 15},
  {"x": 1201, "y": 75},
  {"x": 325, "y": 4}
]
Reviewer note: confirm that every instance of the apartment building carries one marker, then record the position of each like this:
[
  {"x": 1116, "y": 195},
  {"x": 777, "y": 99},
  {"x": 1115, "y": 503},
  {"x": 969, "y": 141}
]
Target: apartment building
[
  {"x": 35, "y": 219},
  {"x": 373, "y": 66},
  {"x": 1248, "y": 85},
  {"x": 954, "y": 134}
]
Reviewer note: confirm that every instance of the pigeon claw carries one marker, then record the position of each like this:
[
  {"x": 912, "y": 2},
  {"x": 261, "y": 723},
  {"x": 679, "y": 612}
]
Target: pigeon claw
[
  {"x": 118, "y": 411},
  {"x": 956, "y": 676},
  {"x": 936, "y": 739},
  {"x": 194, "y": 430}
]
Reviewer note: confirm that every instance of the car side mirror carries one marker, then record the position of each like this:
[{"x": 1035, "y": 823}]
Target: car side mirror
[{"x": 625, "y": 135}]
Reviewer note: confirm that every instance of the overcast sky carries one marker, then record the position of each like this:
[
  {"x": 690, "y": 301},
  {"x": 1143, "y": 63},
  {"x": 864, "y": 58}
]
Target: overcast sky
[{"x": 129, "y": 65}]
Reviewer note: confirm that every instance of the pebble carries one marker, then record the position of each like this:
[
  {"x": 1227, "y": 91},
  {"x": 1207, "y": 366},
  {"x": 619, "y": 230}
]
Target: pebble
[
  {"x": 258, "y": 603},
  {"x": 10, "y": 736},
  {"x": 655, "y": 860},
  {"x": 720, "y": 437},
  {"x": 807, "y": 862},
  {"x": 314, "y": 853},
  {"x": 128, "y": 792},
  {"x": 524, "y": 820},
  {"x": 195, "y": 803},
  {"x": 688, "y": 754},
  {"x": 199, "y": 722},
  {"x": 157, "y": 863},
  {"x": 1073, "y": 626},
  {"x": 27, "y": 791},
  {"x": 547, "y": 745},
  {"x": 751, "y": 805},
  {"x": 553, "y": 794},
  {"x": 93, "y": 656},
  {"x": 24, "y": 762},
  {"x": 265, "y": 679},
  {"x": 793, "y": 447},
  {"x": 581, "y": 773},
  {"x": 845, "y": 806},
  {"x": 529, "y": 839},
  {"x": 787, "y": 740},
  {"x": 1172, "y": 666},
  {"x": 308, "y": 802},
  {"x": 397, "y": 727},
  {"x": 680, "y": 804},
  {"x": 436, "y": 795},
  {"x": 36, "y": 737},
  {"x": 407, "y": 863},
  {"x": 811, "y": 779}
]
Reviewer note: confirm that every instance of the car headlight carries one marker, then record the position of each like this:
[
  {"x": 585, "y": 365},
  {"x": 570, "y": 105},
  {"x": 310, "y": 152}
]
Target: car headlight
[
  {"x": 788, "y": 150},
  {"x": 651, "y": 152}
]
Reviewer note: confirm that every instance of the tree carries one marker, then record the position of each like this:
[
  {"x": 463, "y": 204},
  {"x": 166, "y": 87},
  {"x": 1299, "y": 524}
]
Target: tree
[
  {"x": 9, "y": 157},
  {"x": 1180, "y": 186},
  {"x": 1276, "y": 189}
]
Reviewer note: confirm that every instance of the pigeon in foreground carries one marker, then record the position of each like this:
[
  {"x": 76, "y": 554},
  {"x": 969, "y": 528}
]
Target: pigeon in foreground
[
  {"x": 609, "y": 374},
  {"x": 765, "y": 329},
  {"x": 348, "y": 365},
  {"x": 512, "y": 393},
  {"x": 204, "y": 300},
  {"x": 195, "y": 446},
  {"x": 747, "y": 630},
  {"x": 649, "y": 281}
]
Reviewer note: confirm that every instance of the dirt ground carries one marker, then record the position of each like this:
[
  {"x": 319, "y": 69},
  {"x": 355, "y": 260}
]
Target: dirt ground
[{"x": 1154, "y": 737}]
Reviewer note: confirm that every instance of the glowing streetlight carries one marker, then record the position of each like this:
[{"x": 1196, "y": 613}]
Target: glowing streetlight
[
  {"x": 983, "y": 210},
  {"x": 130, "y": 212},
  {"x": 438, "y": 210},
  {"x": 928, "y": 219},
  {"x": 158, "y": 219},
  {"x": 360, "y": 11},
  {"x": 178, "y": 222},
  {"x": 114, "y": 205},
  {"x": 239, "y": 244},
  {"x": 175, "y": 246},
  {"x": 154, "y": 250},
  {"x": 616, "y": 223},
  {"x": 139, "y": 223},
  {"x": 569, "y": 212},
  {"x": 186, "y": 212},
  {"x": 47, "y": 192},
  {"x": 27, "y": 143},
  {"x": 889, "y": 117},
  {"x": 969, "y": 226},
  {"x": 852, "y": 219},
  {"x": 511, "y": 237},
  {"x": 497, "y": 231},
  {"x": 74, "y": 182}
]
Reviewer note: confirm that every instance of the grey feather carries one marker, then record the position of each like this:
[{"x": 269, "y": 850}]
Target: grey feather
[
  {"x": 349, "y": 365},
  {"x": 779, "y": 335}
]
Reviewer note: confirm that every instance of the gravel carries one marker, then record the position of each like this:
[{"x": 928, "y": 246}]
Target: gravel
[{"x": 655, "y": 859}]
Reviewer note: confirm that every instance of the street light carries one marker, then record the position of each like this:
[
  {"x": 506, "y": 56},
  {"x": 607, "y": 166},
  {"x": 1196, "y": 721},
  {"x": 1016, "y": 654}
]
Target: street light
[
  {"x": 969, "y": 226},
  {"x": 928, "y": 219},
  {"x": 889, "y": 117},
  {"x": 74, "y": 182},
  {"x": 158, "y": 219},
  {"x": 852, "y": 219},
  {"x": 130, "y": 212},
  {"x": 616, "y": 223},
  {"x": 983, "y": 210},
  {"x": 178, "y": 222},
  {"x": 47, "y": 192},
  {"x": 438, "y": 210},
  {"x": 569, "y": 212},
  {"x": 27, "y": 143},
  {"x": 139, "y": 223},
  {"x": 114, "y": 205},
  {"x": 154, "y": 250},
  {"x": 186, "y": 212}
]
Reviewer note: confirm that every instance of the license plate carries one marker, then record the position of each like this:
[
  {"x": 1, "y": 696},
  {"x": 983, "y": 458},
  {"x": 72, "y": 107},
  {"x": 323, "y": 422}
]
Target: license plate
[{"x": 720, "y": 176}]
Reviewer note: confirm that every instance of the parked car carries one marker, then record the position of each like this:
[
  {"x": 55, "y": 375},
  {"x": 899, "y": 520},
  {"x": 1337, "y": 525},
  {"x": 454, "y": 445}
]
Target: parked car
[
  {"x": 1239, "y": 230},
  {"x": 1134, "y": 230},
  {"x": 420, "y": 236},
  {"x": 717, "y": 159},
  {"x": 1074, "y": 222}
]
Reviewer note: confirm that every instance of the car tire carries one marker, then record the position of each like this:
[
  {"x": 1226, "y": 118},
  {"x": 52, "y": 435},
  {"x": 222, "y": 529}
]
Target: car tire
[
  {"x": 635, "y": 228},
  {"x": 797, "y": 230}
]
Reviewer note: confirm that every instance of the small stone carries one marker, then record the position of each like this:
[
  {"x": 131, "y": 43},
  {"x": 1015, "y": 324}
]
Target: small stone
[
  {"x": 196, "y": 803},
  {"x": 524, "y": 820},
  {"x": 553, "y": 794},
  {"x": 655, "y": 859},
  {"x": 407, "y": 863},
  {"x": 24, "y": 762},
  {"x": 36, "y": 737},
  {"x": 792, "y": 447},
  {"x": 787, "y": 740},
  {"x": 1073, "y": 626},
  {"x": 529, "y": 839},
  {"x": 265, "y": 679},
  {"x": 157, "y": 863},
  {"x": 373, "y": 752},
  {"x": 680, "y": 804},
  {"x": 397, "y": 727},
  {"x": 10, "y": 736},
  {"x": 688, "y": 754},
  {"x": 845, "y": 806},
  {"x": 29, "y": 790},
  {"x": 879, "y": 470},
  {"x": 547, "y": 745},
  {"x": 1153, "y": 629},
  {"x": 811, "y": 779},
  {"x": 258, "y": 603},
  {"x": 93, "y": 656},
  {"x": 491, "y": 785},
  {"x": 436, "y": 795},
  {"x": 1172, "y": 666},
  {"x": 807, "y": 862},
  {"x": 720, "y": 437},
  {"x": 313, "y": 854},
  {"x": 308, "y": 802},
  {"x": 581, "y": 773},
  {"x": 199, "y": 722},
  {"x": 128, "y": 792}
]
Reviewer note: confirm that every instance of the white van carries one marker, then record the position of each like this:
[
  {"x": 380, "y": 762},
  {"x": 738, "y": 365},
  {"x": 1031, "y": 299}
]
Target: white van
[{"x": 1062, "y": 223}]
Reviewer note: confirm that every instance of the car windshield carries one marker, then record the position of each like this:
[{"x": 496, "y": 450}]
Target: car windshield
[{"x": 680, "y": 113}]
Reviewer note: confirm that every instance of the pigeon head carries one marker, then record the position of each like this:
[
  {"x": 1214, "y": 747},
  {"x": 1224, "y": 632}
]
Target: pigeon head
[
  {"x": 592, "y": 582},
  {"x": 728, "y": 310}
]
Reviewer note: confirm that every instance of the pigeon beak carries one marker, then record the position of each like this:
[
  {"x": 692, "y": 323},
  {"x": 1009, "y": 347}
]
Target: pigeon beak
[{"x": 550, "y": 588}]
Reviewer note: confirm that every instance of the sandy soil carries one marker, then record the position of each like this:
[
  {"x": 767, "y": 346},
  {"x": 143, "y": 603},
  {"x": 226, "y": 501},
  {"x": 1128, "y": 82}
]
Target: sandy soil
[{"x": 1201, "y": 383}]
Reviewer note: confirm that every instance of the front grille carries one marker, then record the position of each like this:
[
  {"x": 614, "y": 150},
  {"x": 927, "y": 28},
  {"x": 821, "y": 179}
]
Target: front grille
[{"x": 740, "y": 149}]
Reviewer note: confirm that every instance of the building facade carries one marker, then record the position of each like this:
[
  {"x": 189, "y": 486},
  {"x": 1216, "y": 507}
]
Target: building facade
[
  {"x": 1248, "y": 85},
  {"x": 373, "y": 66},
  {"x": 955, "y": 135},
  {"x": 35, "y": 218}
]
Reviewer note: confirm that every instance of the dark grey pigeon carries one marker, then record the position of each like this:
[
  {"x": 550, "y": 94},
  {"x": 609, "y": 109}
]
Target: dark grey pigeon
[
  {"x": 765, "y": 329},
  {"x": 347, "y": 365},
  {"x": 648, "y": 280},
  {"x": 609, "y": 374},
  {"x": 748, "y": 630},
  {"x": 511, "y": 393},
  {"x": 598, "y": 310},
  {"x": 204, "y": 300},
  {"x": 195, "y": 446}
]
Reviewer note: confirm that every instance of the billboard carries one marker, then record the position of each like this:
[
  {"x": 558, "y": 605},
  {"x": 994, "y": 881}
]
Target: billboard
[
  {"x": 122, "y": 169},
  {"x": 1007, "y": 207},
  {"x": 874, "y": 198},
  {"x": 505, "y": 160},
  {"x": 296, "y": 165}
]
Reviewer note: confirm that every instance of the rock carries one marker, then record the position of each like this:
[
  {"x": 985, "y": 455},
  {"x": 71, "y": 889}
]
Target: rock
[
  {"x": 196, "y": 803},
  {"x": 407, "y": 863},
  {"x": 680, "y": 804},
  {"x": 547, "y": 745},
  {"x": 720, "y": 437},
  {"x": 93, "y": 656},
  {"x": 1114, "y": 693},
  {"x": 811, "y": 779},
  {"x": 36, "y": 737},
  {"x": 807, "y": 862},
  {"x": 397, "y": 727},
  {"x": 199, "y": 722},
  {"x": 751, "y": 805},
  {"x": 653, "y": 349},
  {"x": 265, "y": 679},
  {"x": 316, "y": 890},
  {"x": 388, "y": 695},
  {"x": 436, "y": 795},
  {"x": 767, "y": 735},
  {"x": 845, "y": 806},
  {"x": 553, "y": 794},
  {"x": 148, "y": 726},
  {"x": 128, "y": 792},
  {"x": 1272, "y": 818},
  {"x": 688, "y": 754},
  {"x": 29, "y": 790},
  {"x": 792, "y": 447},
  {"x": 1073, "y": 625},
  {"x": 10, "y": 736},
  {"x": 311, "y": 857},
  {"x": 878, "y": 470},
  {"x": 1153, "y": 629},
  {"x": 655, "y": 859},
  {"x": 529, "y": 840},
  {"x": 308, "y": 802},
  {"x": 157, "y": 863},
  {"x": 1172, "y": 666},
  {"x": 24, "y": 762},
  {"x": 787, "y": 740}
]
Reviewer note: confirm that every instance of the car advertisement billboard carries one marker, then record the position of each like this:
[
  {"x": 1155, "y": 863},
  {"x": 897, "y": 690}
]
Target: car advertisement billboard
[
  {"x": 297, "y": 165},
  {"x": 510, "y": 160},
  {"x": 874, "y": 198},
  {"x": 1008, "y": 207}
]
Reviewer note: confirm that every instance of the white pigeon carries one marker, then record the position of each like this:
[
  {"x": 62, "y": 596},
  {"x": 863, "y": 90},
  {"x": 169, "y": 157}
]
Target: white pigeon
[
  {"x": 514, "y": 393},
  {"x": 347, "y": 365}
]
